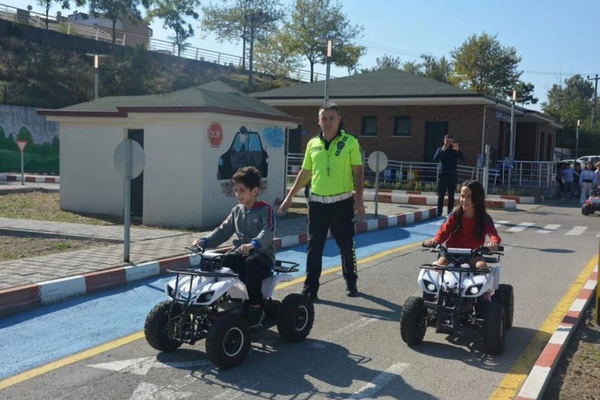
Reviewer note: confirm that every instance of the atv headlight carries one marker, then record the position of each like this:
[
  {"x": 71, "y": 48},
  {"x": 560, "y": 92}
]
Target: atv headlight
[
  {"x": 205, "y": 297},
  {"x": 430, "y": 286},
  {"x": 474, "y": 289},
  {"x": 170, "y": 291}
]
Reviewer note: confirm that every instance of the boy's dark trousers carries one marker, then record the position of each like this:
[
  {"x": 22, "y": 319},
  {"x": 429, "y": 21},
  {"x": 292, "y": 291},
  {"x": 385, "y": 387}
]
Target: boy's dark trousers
[
  {"x": 339, "y": 217},
  {"x": 252, "y": 269},
  {"x": 447, "y": 181}
]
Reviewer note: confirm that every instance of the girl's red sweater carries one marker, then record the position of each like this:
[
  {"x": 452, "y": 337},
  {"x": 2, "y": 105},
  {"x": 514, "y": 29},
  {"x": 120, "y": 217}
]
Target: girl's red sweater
[{"x": 465, "y": 238}]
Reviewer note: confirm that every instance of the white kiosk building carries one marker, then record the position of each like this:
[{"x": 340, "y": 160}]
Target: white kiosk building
[{"x": 193, "y": 140}]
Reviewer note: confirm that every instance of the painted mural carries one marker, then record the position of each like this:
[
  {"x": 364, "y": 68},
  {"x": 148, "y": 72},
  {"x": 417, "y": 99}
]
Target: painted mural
[
  {"x": 248, "y": 148},
  {"x": 42, "y": 137}
]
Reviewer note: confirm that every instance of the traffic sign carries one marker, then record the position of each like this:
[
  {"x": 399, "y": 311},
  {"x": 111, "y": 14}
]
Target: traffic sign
[
  {"x": 138, "y": 159},
  {"x": 215, "y": 134},
  {"x": 22, "y": 144},
  {"x": 378, "y": 161}
]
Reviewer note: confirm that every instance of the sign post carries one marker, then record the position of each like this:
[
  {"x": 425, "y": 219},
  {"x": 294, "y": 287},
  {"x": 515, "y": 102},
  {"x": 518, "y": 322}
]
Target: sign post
[
  {"x": 22, "y": 144},
  {"x": 377, "y": 161},
  {"x": 129, "y": 162}
]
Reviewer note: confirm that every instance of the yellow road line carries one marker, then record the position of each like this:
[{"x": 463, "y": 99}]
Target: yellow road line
[
  {"x": 140, "y": 335},
  {"x": 510, "y": 385}
]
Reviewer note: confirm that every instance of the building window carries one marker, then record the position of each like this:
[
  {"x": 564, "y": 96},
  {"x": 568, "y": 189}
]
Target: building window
[
  {"x": 402, "y": 126},
  {"x": 369, "y": 126}
]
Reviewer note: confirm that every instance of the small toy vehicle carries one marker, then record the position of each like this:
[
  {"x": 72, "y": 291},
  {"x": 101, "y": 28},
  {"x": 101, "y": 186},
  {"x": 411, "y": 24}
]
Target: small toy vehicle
[
  {"x": 592, "y": 204},
  {"x": 452, "y": 300},
  {"x": 208, "y": 303}
]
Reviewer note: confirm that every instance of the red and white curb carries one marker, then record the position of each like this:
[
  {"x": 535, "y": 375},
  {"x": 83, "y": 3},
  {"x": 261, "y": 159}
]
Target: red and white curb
[
  {"x": 419, "y": 193},
  {"x": 431, "y": 200},
  {"x": 30, "y": 178},
  {"x": 26, "y": 297},
  {"x": 537, "y": 380}
]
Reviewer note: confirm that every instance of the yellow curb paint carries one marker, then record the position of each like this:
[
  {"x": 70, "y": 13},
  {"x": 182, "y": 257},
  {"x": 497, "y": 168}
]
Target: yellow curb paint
[
  {"x": 140, "y": 335},
  {"x": 69, "y": 360},
  {"x": 512, "y": 382}
]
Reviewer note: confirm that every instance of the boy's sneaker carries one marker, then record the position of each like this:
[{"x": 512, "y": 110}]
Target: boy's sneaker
[{"x": 256, "y": 317}]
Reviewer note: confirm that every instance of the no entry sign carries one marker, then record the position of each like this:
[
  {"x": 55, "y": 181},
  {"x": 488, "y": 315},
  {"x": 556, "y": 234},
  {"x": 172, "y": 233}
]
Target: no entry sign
[{"x": 215, "y": 134}]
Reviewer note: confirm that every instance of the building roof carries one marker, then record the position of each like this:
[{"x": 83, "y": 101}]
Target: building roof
[
  {"x": 216, "y": 97},
  {"x": 378, "y": 84}
]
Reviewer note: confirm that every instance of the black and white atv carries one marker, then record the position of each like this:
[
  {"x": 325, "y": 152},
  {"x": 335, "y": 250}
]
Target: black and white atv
[{"x": 452, "y": 299}]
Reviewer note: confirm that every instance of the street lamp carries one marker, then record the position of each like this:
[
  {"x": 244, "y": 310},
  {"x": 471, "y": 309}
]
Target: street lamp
[
  {"x": 330, "y": 42},
  {"x": 577, "y": 140},
  {"x": 96, "y": 69},
  {"x": 511, "y": 154}
]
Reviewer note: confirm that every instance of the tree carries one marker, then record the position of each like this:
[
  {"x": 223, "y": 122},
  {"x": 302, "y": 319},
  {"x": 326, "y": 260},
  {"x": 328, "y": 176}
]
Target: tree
[
  {"x": 314, "y": 20},
  {"x": 387, "y": 62},
  {"x": 173, "y": 12},
  {"x": 63, "y": 3},
  {"x": 571, "y": 101},
  {"x": 119, "y": 10},
  {"x": 272, "y": 58},
  {"x": 229, "y": 22},
  {"x": 525, "y": 93},
  {"x": 483, "y": 65}
]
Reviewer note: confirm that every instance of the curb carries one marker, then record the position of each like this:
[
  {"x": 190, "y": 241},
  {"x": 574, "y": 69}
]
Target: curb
[
  {"x": 30, "y": 178},
  {"x": 538, "y": 378},
  {"x": 506, "y": 204},
  {"x": 413, "y": 193},
  {"x": 23, "y": 298}
]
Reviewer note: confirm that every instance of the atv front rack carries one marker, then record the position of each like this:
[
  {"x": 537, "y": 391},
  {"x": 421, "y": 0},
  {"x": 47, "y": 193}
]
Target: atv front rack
[{"x": 280, "y": 268}]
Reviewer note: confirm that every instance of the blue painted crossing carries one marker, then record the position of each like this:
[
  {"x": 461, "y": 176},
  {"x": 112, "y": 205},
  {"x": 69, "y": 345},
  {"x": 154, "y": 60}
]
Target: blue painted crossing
[{"x": 53, "y": 332}]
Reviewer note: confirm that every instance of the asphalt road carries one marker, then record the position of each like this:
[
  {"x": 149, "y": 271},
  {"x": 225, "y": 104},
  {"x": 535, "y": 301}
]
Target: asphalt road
[{"x": 354, "y": 351}]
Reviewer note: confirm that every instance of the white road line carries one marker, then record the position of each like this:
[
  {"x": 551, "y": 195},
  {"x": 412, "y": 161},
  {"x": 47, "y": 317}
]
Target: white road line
[
  {"x": 231, "y": 394},
  {"x": 548, "y": 228},
  {"x": 379, "y": 382},
  {"x": 150, "y": 391},
  {"x": 520, "y": 227},
  {"x": 364, "y": 321},
  {"x": 501, "y": 223},
  {"x": 576, "y": 231}
]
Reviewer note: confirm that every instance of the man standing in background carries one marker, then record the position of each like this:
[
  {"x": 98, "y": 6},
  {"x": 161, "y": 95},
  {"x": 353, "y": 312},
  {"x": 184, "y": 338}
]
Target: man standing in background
[{"x": 447, "y": 156}]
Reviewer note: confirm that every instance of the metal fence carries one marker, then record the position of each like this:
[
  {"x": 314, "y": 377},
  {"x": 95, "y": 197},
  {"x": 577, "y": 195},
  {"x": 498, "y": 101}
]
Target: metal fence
[
  {"x": 70, "y": 27},
  {"x": 524, "y": 173}
]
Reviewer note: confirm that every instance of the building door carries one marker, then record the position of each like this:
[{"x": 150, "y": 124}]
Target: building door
[
  {"x": 137, "y": 184},
  {"x": 434, "y": 138},
  {"x": 295, "y": 140}
]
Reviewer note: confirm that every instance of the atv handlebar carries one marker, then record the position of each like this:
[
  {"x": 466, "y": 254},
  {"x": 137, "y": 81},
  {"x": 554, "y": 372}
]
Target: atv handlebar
[{"x": 478, "y": 251}]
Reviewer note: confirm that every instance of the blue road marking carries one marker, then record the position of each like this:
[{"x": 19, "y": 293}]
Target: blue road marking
[{"x": 37, "y": 337}]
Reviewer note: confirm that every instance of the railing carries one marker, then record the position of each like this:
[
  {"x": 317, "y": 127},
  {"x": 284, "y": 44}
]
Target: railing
[
  {"x": 104, "y": 34},
  {"x": 524, "y": 173}
]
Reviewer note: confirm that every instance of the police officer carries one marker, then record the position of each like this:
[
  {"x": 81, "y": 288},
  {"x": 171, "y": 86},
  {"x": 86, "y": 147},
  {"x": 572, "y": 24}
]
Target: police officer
[{"x": 333, "y": 164}]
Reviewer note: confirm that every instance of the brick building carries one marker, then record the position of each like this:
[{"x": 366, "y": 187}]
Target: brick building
[{"x": 406, "y": 116}]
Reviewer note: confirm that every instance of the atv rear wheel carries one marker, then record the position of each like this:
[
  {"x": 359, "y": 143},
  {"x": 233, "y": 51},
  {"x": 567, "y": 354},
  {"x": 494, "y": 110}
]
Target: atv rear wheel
[
  {"x": 586, "y": 209},
  {"x": 494, "y": 322},
  {"x": 505, "y": 295},
  {"x": 228, "y": 341},
  {"x": 296, "y": 317},
  {"x": 413, "y": 321},
  {"x": 156, "y": 328}
]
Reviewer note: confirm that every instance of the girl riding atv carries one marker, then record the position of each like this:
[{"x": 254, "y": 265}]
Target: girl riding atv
[{"x": 467, "y": 227}]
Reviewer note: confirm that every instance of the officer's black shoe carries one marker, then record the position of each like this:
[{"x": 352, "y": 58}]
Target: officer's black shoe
[
  {"x": 311, "y": 294},
  {"x": 351, "y": 290}
]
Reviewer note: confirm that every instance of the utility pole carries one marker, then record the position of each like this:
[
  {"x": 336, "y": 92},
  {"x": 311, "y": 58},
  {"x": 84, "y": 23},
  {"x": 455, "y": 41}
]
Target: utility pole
[
  {"x": 595, "y": 96},
  {"x": 511, "y": 149}
]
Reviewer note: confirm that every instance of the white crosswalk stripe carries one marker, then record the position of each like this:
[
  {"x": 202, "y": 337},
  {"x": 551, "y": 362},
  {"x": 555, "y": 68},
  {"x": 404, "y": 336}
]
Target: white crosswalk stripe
[
  {"x": 576, "y": 231},
  {"x": 520, "y": 227},
  {"x": 548, "y": 228},
  {"x": 501, "y": 223}
]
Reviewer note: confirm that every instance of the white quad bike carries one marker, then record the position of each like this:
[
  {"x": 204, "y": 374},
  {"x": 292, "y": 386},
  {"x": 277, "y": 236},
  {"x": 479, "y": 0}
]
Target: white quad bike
[
  {"x": 452, "y": 299},
  {"x": 592, "y": 204},
  {"x": 208, "y": 303}
]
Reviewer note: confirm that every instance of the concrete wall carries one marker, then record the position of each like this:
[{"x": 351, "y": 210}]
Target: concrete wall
[
  {"x": 89, "y": 181},
  {"x": 13, "y": 118}
]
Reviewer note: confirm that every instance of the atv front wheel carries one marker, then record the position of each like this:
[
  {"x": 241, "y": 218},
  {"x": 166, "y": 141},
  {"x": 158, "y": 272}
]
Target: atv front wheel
[
  {"x": 506, "y": 296},
  {"x": 228, "y": 341},
  {"x": 296, "y": 317},
  {"x": 413, "y": 321},
  {"x": 156, "y": 328},
  {"x": 494, "y": 321},
  {"x": 586, "y": 209}
]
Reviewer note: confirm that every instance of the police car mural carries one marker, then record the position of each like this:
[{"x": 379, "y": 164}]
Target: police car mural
[{"x": 246, "y": 150}]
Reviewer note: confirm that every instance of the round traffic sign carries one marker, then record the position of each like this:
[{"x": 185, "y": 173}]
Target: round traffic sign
[
  {"x": 215, "y": 134},
  {"x": 138, "y": 158},
  {"x": 377, "y": 161}
]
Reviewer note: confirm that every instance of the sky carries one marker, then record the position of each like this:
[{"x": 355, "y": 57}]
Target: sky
[{"x": 555, "y": 38}]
